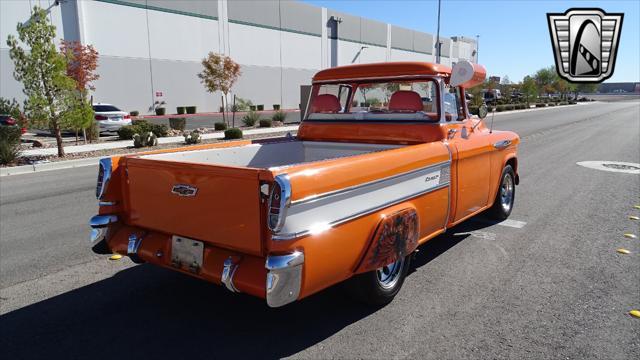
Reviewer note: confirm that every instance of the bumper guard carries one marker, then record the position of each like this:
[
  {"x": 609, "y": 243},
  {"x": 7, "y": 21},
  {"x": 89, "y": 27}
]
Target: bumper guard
[{"x": 284, "y": 278}]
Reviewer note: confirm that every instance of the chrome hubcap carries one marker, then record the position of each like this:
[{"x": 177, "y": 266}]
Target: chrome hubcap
[
  {"x": 389, "y": 275},
  {"x": 506, "y": 193}
]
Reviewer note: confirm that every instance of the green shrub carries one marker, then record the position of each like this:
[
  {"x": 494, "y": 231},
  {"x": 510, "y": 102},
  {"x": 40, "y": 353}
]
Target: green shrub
[
  {"x": 572, "y": 102},
  {"x": 473, "y": 110},
  {"x": 233, "y": 133},
  {"x": 159, "y": 130},
  {"x": 252, "y": 108},
  {"x": 220, "y": 126},
  {"x": 551, "y": 104},
  {"x": 265, "y": 122},
  {"x": 145, "y": 139},
  {"x": 126, "y": 132},
  {"x": 177, "y": 123},
  {"x": 279, "y": 116},
  {"x": 180, "y": 110},
  {"x": 93, "y": 131},
  {"x": 500, "y": 108},
  {"x": 161, "y": 111},
  {"x": 191, "y": 109},
  {"x": 509, "y": 107},
  {"x": 260, "y": 107},
  {"x": 9, "y": 143},
  {"x": 540, "y": 105},
  {"x": 134, "y": 113},
  {"x": 490, "y": 108},
  {"x": 251, "y": 118},
  {"x": 192, "y": 137},
  {"x": 243, "y": 104},
  {"x": 276, "y": 106}
]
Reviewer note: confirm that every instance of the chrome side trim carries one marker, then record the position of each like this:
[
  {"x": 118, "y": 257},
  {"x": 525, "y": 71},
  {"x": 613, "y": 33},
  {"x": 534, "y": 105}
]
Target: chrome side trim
[
  {"x": 312, "y": 198},
  {"x": 285, "y": 201},
  {"x": 228, "y": 270},
  {"x": 446, "y": 219},
  {"x": 97, "y": 234},
  {"x": 289, "y": 236},
  {"x": 106, "y": 168},
  {"x": 284, "y": 278},
  {"x": 100, "y": 221},
  {"x": 134, "y": 244},
  {"x": 107, "y": 203},
  {"x": 502, "y": 144}
]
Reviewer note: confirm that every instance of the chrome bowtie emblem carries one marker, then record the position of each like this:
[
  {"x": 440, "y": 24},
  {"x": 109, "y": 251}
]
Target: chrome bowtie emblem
[
  {"x": 585, "y": 43},
  {"x": 184, "y": 190}
]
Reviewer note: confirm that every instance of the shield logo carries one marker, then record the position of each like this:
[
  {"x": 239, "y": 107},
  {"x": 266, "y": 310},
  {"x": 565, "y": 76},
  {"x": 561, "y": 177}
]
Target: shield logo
[
  {"x": 184, "y": 190},
  {"x": 585, "y": 43}
]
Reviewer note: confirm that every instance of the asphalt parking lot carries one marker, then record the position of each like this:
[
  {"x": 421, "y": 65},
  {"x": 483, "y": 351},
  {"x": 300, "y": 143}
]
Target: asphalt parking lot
[{"x": 547, "y": 284}]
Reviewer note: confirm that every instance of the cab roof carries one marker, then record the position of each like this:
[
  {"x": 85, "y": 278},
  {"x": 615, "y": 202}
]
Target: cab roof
[{"x": 381, "y": 70}]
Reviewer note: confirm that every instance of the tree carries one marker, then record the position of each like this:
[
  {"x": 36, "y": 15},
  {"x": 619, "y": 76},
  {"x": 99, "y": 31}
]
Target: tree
[
  {"x": 505, "y": 80},
  {"x": 82, "y": 62},
  {"x": 529, "y": 88},
  {"x": 219, "y": 74},
  {"x": 42, "y": 71},
  {"x": 544, "y": 79},
  {"x": 585, "y": 88}
]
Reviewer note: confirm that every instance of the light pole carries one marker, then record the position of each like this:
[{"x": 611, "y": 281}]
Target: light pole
[
  {"x": 477, "y": 49},
  {"x": 438, "y": 36}
]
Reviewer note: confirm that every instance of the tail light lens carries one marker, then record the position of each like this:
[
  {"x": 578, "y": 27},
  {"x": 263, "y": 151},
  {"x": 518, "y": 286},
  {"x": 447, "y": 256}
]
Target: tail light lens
[
  {"x": 278, "y": 202},
  {"x": 10, "y": 121},
  {"x": 101, "y": 117},
  {"x": 127, "y": 117},
  {"x": 104, "y": 175}
]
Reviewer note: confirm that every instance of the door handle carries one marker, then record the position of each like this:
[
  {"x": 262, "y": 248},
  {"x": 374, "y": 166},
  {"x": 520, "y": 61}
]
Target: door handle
[{"x": 502, "y": 144}]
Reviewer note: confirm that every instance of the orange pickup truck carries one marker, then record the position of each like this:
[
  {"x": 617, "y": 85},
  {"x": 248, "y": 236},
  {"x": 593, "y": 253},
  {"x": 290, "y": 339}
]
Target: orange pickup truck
[{"x": 386, "y": 158}]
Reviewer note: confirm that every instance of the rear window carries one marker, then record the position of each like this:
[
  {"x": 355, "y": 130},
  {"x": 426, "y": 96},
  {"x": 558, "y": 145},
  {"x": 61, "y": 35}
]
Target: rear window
[
  {"x": 406, "y": 100},
  {"x": 105, "y": 108}
]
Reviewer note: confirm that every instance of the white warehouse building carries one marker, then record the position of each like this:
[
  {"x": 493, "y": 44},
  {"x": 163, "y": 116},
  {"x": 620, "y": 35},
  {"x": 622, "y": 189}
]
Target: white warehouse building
[{"x": 151, "y": 50}]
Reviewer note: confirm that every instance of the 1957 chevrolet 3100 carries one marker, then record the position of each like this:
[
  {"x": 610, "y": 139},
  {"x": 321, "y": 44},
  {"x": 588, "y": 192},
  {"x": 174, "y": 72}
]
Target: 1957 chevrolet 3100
[{"x": 386, "y": 158}]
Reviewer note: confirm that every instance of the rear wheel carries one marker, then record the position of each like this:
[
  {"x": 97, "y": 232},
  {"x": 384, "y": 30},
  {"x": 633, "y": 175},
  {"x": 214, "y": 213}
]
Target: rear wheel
[
  {"x": 380, "y": 286},
  {"x": 505, "y": 196}
]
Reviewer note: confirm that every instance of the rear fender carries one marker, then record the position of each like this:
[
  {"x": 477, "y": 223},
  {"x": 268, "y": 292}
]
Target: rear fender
[{"x": 396, "y": 236}]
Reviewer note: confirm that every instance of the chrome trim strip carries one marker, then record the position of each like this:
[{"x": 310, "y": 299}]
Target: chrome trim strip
[
  {"x": 290, "y": 236},
  {"x": 502, "y": 144},
  {"x": 313, "y": 198},
  {"x": 107, "y": 203},
  {"x": 100, "y": 221},
  {"x": 446, "y": 220},
  {"x": 228, "y": 270},
  {"x": 105, "y": 165},
  {"x": 284, "y": 278},
  {"x": 285, "y": 200}
]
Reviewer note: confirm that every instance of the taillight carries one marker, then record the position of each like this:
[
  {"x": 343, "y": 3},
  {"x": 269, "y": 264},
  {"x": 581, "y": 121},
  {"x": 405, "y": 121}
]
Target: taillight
[
  {"x": 104, "y": 175},
  {"x": 127, "y": 116},
  {"x": 278, "y": 203},
  {"x": 101, "y": 117},
  {"x": 10, "y": 121}
]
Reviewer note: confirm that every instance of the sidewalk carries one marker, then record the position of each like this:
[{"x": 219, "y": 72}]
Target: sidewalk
[{"x": 165, "y": 140}]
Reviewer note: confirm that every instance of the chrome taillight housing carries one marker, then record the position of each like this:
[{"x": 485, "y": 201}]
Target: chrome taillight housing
[
  {"x": 104, "y": 175},
  {"x": 278, "y": 202}
]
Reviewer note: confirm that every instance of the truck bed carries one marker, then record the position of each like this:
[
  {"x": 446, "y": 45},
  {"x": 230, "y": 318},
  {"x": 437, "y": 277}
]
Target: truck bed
[{"x": 271, "y": 155}]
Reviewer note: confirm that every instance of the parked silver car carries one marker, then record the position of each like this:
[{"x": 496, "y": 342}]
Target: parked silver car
[{"x": 110, "y": 118}]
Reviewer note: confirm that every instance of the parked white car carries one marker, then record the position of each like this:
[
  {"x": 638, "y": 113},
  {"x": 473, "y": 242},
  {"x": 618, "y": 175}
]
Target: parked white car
[{"x": 110, "y": 118}]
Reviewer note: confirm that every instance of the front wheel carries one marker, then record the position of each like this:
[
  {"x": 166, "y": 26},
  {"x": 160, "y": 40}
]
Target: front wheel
[
  {"x": 505, "y": 196},
  {"x": 380, "y": 286}
]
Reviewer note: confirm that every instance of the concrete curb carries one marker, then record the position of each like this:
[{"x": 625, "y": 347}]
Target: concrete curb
[
  {"x": 58, "y": 165},
  {"x": 536, "y": 109}
]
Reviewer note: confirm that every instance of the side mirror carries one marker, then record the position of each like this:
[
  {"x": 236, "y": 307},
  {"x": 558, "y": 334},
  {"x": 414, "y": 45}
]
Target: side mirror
[{"x": 482, "y": 111}]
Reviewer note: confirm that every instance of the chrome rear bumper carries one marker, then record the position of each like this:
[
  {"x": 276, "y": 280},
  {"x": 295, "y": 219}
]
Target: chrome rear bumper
[{"x": 284, "y": 278}]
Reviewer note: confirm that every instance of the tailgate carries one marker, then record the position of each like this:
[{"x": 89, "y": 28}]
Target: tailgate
[{"x": 216, "y": 204}]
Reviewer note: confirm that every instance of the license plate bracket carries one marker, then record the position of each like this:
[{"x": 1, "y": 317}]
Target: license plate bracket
[{"x": 187, "y": 253}]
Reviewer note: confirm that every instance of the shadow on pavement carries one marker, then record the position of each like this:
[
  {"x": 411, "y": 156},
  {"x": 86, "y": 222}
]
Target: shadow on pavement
[{"x": 150, "y": 312}]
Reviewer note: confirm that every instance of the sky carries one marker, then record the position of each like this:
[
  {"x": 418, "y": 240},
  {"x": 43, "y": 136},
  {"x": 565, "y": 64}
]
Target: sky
[{"x": 514, "y": 35}]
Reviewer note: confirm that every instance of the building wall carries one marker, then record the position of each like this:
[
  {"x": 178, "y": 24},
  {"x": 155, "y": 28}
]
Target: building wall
[{"x": 154, "y": 47}]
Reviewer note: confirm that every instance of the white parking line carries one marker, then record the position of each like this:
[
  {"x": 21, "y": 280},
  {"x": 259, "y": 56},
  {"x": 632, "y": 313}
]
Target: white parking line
[{"x": 513, "y": 223}]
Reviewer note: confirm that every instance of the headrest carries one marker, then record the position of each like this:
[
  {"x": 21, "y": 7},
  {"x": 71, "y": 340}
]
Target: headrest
[
  {"x": 326, "y": 103},
  {"x": 405, "y": 100}
]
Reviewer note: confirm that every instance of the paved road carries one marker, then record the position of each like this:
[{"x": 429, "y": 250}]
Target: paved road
[{"x": 555, "y": 288}]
